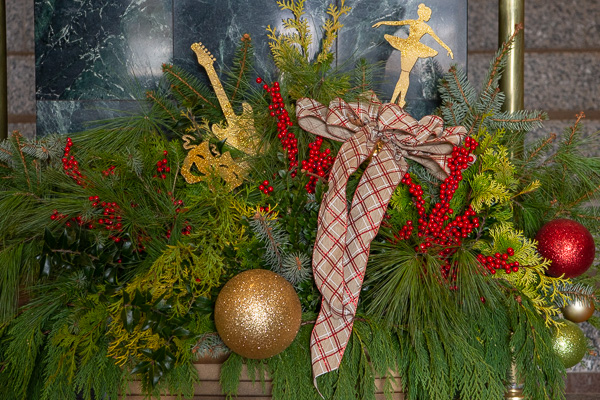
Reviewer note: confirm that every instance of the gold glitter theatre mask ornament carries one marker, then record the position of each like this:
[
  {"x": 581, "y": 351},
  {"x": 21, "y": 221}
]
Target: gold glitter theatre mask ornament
[
  {"x": 411, "y": 48},
  {"x": 239, "y": 132},
  {"x": 200, "y": 156}
]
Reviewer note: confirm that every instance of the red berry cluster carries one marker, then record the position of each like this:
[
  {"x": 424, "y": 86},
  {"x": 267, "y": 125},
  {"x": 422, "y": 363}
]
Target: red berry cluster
[
  {"x": 405, "y": 232},
  {"x": 434, "y": 228},
  {"x": 265, "y": 187},
  {"x": 287, "y": 138},
  {"x": 71, "y": 165},
  {"x": 318, "y": 164},
  {"x": 499, "y": 261},
  {"x": 162, "y": 167},
  {"x": 109, "y": 171},
  {"x": 110, "y": 219}
]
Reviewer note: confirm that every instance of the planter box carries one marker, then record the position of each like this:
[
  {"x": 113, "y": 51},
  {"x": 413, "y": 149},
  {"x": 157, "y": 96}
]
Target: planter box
[{"x": 209, "y": 370}]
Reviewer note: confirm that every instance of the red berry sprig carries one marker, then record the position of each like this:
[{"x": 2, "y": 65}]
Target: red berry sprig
[
  {"x": 56, "y": 216},
  {"x": 162, "y": 167},
  {"x": 71, "y": 165},
  {"x": 187, "y": 228},
  {"x": 265, "y": 187},
  {"x": 287, "y": 138},
  {"x": 318, "y": 164},
  {"x": 179, "y": 205},
  {"x": 434, "y": 228},
  {"x": 109, "y": 171},
  {"x": 499, "y": 261}
]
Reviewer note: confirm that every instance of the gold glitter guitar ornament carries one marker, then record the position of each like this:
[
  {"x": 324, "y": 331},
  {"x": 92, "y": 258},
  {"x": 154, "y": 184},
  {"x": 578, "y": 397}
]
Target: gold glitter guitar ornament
[
  {"x": 411, "y": 48},
  {"x": 239, "y": 132}
]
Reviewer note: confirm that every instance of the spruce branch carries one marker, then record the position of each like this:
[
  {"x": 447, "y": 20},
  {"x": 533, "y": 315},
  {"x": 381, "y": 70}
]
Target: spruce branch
[
  {"x": 574, "y": 292},
  {"x": 499, "y": 62},
  {"x": 272, "y": 236},
  {"x": 296, "y": 268}
]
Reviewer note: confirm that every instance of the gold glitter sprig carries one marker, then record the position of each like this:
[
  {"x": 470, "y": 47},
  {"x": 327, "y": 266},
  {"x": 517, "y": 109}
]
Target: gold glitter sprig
[{"x": 207, "y": 164}]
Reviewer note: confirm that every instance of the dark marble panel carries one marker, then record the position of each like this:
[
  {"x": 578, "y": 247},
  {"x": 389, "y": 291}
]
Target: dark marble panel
[
  {"x": 359, "y": 39},
  {"x": 100, "y": 49},
  {"x": 219, "y": 25},
  {"x": 72, "y": 116}
]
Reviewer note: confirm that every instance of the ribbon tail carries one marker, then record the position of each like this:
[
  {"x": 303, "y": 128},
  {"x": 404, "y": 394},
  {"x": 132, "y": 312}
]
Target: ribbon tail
[
  {"x": 328, "y": 340},
  {"x": 369, "y": 205},
  {"x": 332, "y": 329}
]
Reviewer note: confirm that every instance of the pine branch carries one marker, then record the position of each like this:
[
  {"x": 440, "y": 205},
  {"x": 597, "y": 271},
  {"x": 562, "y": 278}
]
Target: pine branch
[
  {"x": 189, "y": 84},
  {"x": 161, "y": 103},
  {"x": 537, "y": 151},
  {"x": 296, "y": 268}
]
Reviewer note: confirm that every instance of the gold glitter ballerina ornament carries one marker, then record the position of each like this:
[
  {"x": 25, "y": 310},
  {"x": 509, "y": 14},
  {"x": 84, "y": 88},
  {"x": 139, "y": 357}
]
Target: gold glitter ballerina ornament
[{"x": 411, "y": 48}]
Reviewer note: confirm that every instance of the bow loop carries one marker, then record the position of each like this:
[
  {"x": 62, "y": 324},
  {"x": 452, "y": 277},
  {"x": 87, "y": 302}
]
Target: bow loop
[{"x": 425, "y": 141}]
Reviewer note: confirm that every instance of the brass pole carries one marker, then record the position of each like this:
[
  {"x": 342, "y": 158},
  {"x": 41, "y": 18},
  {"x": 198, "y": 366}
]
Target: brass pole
[
  {"x": 511, "y": 13},
  {"x": 514, "y": 390},
  {"x": 3, "y": 79}
]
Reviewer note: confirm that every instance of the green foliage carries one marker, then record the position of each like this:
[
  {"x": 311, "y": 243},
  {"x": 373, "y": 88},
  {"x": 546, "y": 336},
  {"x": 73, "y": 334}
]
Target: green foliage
[
  {"x": 569, "y": 179},
  {"x": 25, "y": 344},
  {"x": 371, "y": 353},
  {"x": 135, "y": 301},
  {"x": 533, "y": 354},
  {"x": 543, "y": 291},
  {"x": 154, "y": 320},
  {"x": 463, "y": 105},
  {"x": 239, "y": 78},
  {"x": 268, "y": 231},
  {"x": 301, "y": 76}
]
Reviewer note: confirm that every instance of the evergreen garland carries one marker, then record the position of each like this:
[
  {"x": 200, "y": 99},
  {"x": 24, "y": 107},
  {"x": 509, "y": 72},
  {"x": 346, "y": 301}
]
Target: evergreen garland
[{"x": 110, "y": 304}]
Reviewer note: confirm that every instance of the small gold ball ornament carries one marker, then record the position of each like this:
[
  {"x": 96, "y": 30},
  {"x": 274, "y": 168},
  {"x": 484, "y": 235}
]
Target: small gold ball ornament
[
  {"x": 578, "y": 311},
  {"x": 570, "y": 343},
  {"x": 258, "y": 314}
]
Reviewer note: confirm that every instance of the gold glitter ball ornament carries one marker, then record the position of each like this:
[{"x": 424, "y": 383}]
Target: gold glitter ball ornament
[
  {"x": 258, "y": 314},
  {"x": 578, "y": 311},
  {"x": 570, "y": 343}
]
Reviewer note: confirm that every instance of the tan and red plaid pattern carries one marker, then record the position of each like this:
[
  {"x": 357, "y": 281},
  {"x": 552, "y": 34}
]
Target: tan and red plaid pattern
[{"x": 344, "y": 236}]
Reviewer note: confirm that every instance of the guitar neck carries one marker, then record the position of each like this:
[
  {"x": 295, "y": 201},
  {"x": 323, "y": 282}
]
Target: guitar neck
[{"x": 220, "y": 92}]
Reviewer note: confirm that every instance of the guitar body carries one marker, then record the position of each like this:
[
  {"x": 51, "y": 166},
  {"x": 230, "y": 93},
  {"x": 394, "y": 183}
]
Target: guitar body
[{"x": 240, "y": 131}]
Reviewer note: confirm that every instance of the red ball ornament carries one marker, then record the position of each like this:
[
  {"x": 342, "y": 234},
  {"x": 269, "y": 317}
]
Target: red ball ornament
[{"x": 569, "y": 245}]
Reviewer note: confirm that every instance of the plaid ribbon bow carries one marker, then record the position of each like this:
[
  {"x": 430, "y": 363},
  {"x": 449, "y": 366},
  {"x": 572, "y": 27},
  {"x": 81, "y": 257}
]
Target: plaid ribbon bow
[{"x": 344, "y": 236}]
